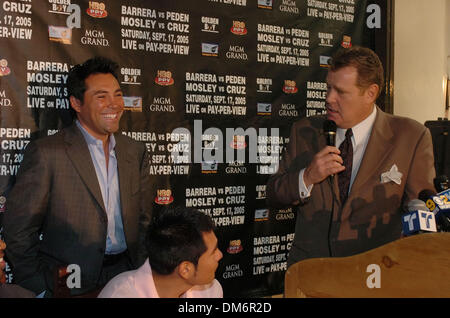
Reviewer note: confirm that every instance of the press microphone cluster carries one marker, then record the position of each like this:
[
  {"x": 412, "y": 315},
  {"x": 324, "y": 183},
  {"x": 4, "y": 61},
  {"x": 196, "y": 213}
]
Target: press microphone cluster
[
  {"x": 419, "y": 218},
  {"x": 439, "y": 205}
]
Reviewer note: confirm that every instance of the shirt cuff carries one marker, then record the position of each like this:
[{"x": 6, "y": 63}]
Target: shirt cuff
[{"x": 304, "y": 191}]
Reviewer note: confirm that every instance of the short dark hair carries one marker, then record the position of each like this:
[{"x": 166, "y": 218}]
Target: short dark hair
[
  {"x": 78, "y": 74},
  {"x": 175, "y": 236},
  {"x": 367, "y": 63}
]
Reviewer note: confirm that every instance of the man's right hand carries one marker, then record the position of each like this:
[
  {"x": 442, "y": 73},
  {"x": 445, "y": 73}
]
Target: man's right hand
[{"x": 325, "y": 163}]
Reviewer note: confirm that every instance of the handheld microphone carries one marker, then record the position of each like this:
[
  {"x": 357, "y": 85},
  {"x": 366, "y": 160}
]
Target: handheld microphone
[
  {"x": 329, "y": 129},
  {"x": 419, "y": 219},
  {"x": 417, "y": 204},
  {"x": 439, "y": 204}
]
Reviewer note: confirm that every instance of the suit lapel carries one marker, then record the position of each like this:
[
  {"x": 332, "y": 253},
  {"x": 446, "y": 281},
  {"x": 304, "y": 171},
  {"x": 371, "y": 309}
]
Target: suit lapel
[
  {"x": 78, "y": 153},
  {"x": 378, "y": 148}
]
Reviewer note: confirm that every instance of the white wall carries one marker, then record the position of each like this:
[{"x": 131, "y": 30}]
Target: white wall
[
  {"x": 421, "y": 47},
  {"x": 447, "y": 35}
]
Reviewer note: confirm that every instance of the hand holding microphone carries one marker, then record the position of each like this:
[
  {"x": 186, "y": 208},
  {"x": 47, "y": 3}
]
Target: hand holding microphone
[{"x": 326, "y": 162}]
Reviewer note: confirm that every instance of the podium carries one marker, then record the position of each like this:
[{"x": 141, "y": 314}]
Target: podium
[{"x": 415, "y": 266}]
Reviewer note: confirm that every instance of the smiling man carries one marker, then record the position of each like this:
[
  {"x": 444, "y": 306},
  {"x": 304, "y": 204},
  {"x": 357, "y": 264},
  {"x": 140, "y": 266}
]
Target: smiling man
[
  {"x": 86, "y": 189},
  {"x": 350, "y": 196}
]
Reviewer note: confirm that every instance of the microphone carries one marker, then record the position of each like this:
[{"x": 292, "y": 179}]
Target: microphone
[
  {"x": 439, "y": 204},
  {"x": 441, "y": 183},
  {"x": 417, "y": 204},
  {"x": 329, "y": 129},
  {"x": 419, "y": 219}
]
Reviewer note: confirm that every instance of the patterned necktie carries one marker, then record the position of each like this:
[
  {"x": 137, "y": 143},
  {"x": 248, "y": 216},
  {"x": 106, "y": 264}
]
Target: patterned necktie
[{"x": 344, "y": 177}]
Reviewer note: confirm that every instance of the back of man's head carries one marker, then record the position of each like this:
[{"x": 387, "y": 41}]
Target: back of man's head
[
  {"x": 367, "y": 63},
  {"x": 78, "y": 74},
  {"x": 176, "y": 235}
]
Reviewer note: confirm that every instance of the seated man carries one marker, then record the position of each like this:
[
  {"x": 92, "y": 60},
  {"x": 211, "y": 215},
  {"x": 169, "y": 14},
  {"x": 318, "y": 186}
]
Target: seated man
[{"x": 182, "y": 260}]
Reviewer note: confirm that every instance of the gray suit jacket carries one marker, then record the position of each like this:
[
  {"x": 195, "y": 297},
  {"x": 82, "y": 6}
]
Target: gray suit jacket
[
  {"x": 57, "y": 193},
  {"x": 371, "y": 216}
]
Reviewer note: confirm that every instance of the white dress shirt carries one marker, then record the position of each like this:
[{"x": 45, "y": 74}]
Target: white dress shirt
[{"x": 108, "y": 180}]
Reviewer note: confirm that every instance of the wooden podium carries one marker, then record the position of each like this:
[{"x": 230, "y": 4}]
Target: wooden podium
[{"x": 415, "y": 266}]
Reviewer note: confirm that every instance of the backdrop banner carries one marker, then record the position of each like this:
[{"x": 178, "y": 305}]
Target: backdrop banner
[{"x": 211, "y": 87}]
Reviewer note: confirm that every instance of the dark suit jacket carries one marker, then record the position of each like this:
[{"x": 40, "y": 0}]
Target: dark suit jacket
[
  {"x": 57, "y": 193},
  {"x": 371, "y": 216}
]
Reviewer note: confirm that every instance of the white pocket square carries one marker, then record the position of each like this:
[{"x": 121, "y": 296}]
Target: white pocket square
[{"x": 392, "y": 175}]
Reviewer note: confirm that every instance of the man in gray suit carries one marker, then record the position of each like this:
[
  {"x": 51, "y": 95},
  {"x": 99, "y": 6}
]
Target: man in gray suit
[
  {"x": 350, "y": 197},
  {"x": 86, "y": 189}
]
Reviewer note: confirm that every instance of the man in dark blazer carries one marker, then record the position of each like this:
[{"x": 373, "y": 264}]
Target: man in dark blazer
[
  {"x": 86, "y": 189},
  {"x": 350, "y": 197}
]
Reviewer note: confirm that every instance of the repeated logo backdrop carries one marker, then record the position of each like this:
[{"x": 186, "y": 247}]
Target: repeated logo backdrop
[{"x": 211, "y": 87}]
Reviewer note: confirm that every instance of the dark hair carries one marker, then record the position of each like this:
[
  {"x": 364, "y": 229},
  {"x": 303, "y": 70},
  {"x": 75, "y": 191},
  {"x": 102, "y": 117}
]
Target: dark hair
[
  {"x": 367, "y": 63},
  {"x": 175, "y": 236},
  {"x": 78, "y": 74}
]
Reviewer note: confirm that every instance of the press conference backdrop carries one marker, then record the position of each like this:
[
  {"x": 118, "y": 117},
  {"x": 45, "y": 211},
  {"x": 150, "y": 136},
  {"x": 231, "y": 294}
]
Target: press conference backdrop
[{"x": 211, "y": 87}]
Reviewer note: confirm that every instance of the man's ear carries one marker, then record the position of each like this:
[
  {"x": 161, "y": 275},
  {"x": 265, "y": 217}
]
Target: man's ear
[
  {"x": 76, "y": 103},
  {"x": 372, "y": 92},
  {"x": 186, "y": 269}
]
